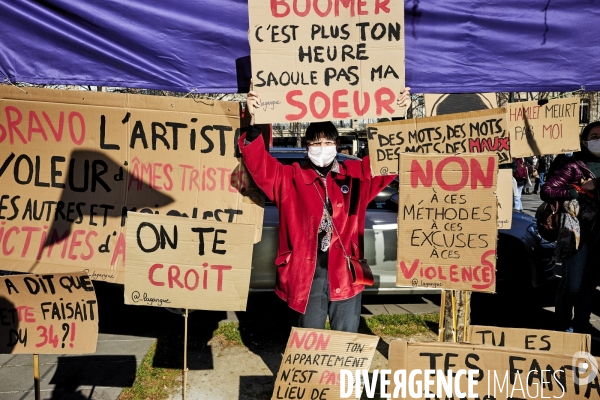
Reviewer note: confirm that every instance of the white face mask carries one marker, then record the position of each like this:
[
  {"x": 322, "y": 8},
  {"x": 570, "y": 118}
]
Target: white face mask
[
  {"x": 594, "y": 147},
  {"x": 322, "y": 156}
]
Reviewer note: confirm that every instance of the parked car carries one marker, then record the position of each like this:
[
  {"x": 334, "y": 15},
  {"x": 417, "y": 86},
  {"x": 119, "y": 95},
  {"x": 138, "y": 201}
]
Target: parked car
[{"x": 524, "y": 258}]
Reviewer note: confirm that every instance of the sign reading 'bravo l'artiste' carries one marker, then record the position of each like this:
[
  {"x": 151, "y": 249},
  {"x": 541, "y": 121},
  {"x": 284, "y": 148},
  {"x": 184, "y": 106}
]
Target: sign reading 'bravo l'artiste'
[
  {"x": 327, "y": 59},
  {"x": 73, "y": 163},
  {"x": 447, "y": 223}
]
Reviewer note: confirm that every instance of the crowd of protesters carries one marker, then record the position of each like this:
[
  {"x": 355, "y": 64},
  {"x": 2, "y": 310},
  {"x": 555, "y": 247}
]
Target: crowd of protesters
[{"x": 529, "y": 175}]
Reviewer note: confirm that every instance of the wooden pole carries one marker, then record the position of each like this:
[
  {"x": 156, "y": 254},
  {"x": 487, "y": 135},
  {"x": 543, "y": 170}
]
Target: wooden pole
[
  {"x": 442, "y": 313},
  {"x": 454, "y": 319},
  {"x": 36, "y": 376},
  {"x": 456, "y": 311},
  {"x": 185, "y": 369},
  {"x": 447, "y": 311},
  {"x": 467, "y": 316}
]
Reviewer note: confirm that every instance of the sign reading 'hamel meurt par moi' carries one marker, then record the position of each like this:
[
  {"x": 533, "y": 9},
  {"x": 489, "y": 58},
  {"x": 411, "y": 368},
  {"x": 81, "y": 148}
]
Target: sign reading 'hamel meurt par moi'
[
  {"x": 549, "y": 128},
  {"x": 327, "y": 59},
  {"x": 73, "y": 163},
  {"x": 187, "y": 263},
  {"x": 48, "y": 314},
  {"x": 469, "y": 132},
  {"x": 447, "y": 224},
  {"x": 314, "y": 358}
]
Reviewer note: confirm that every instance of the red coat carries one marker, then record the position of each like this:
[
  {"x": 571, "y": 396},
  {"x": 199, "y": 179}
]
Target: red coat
[{"x": 291, "y": 188}]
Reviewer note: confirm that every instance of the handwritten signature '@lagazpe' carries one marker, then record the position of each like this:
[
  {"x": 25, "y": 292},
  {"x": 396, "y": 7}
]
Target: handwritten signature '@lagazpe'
[
  {"x": 135, "y": 296},
  {"x": 266, "y": 104}
]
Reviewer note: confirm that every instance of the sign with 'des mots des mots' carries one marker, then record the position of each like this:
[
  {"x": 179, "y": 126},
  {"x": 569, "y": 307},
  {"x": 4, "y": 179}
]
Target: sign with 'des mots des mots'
[{"x": 469, "y": 132}]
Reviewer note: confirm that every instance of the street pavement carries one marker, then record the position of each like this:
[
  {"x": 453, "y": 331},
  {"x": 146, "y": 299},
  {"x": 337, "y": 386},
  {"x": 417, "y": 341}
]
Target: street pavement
[{"x": 127, "y": 333}]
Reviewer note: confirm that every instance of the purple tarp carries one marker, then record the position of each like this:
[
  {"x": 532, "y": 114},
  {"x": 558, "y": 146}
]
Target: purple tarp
[{"x": 182, "y": 45}]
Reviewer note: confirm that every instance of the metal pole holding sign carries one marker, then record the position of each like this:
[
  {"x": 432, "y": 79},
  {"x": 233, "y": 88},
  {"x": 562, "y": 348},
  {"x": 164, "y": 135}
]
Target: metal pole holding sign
[
  {"x": 36, "y": 376},
  {"x": 185, "y": 369}
]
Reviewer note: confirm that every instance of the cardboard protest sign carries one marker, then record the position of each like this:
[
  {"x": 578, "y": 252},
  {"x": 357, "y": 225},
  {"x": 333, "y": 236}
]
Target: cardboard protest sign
[
  {"x": 312, "y": 361},
  {"x": 323, "y": 59},
  {"x": 504, "y": 194},
  {"x": 547, "y": 129},
  {"x": 72, "y": 163},
  {"x": 497, "y": 372},
  {"x": 48, "y": 314},
  {"x": 447, "y": 224},
  {"x": 451, "y": 103},
  {"x": 470, "y": 132},
  {"x": 529, "y": 339},
  {"x": 187, "y": 263}
]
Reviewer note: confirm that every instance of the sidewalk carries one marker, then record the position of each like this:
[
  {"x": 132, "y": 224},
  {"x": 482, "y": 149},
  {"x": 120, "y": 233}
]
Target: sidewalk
[
  {"x": 531, "y": 202},
  {"x": 125, "y": 337},
  {"x": 93, "y": 376}
]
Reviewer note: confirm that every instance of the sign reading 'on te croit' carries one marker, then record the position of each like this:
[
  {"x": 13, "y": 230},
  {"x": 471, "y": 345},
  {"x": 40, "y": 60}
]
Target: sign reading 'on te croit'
[{"x": 187, "y": 263}]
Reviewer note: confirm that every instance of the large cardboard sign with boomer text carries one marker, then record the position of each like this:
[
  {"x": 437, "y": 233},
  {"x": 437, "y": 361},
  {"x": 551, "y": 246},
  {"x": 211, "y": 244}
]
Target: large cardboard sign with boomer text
[
  {"x": 312, "y": 361},
  {"x": 447, "y": 224},
  {"x": 48, "y": 314},
  {"x": 73, "y": 163},
  {"x": 187, "y": 263},
  {"x": 327, "y": 59},
  {"x": 469, "y": 132}
]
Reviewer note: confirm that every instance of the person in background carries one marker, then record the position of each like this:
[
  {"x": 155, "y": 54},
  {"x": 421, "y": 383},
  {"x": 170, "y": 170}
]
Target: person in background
[
  {"x": 543, "y": 166},
  {"x": 519, "y": 176},
  {"x": 535, "y": 175},
  {"x": 573, "y": 182},
  {"x": 527, "y": 186},
  {"x": 363, "y": 150},
  {"x": 322, "y": 207}
]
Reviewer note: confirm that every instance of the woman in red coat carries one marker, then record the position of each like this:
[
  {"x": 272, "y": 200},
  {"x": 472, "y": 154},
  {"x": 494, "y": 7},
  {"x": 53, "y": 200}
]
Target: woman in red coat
[{"x": 322, "y": 206}]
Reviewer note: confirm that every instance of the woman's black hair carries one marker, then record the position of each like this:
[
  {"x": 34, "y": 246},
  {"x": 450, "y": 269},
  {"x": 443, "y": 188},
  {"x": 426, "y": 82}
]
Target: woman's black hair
[
  {"x": 318, "y": 130},
  {"x": 586, "y": 131}
]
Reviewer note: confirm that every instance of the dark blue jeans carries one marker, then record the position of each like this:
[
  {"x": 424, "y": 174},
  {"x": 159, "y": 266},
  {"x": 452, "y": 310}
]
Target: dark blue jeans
[
  {"x": 344, "y": 315},
  {"x": 573, "y": 297}
]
